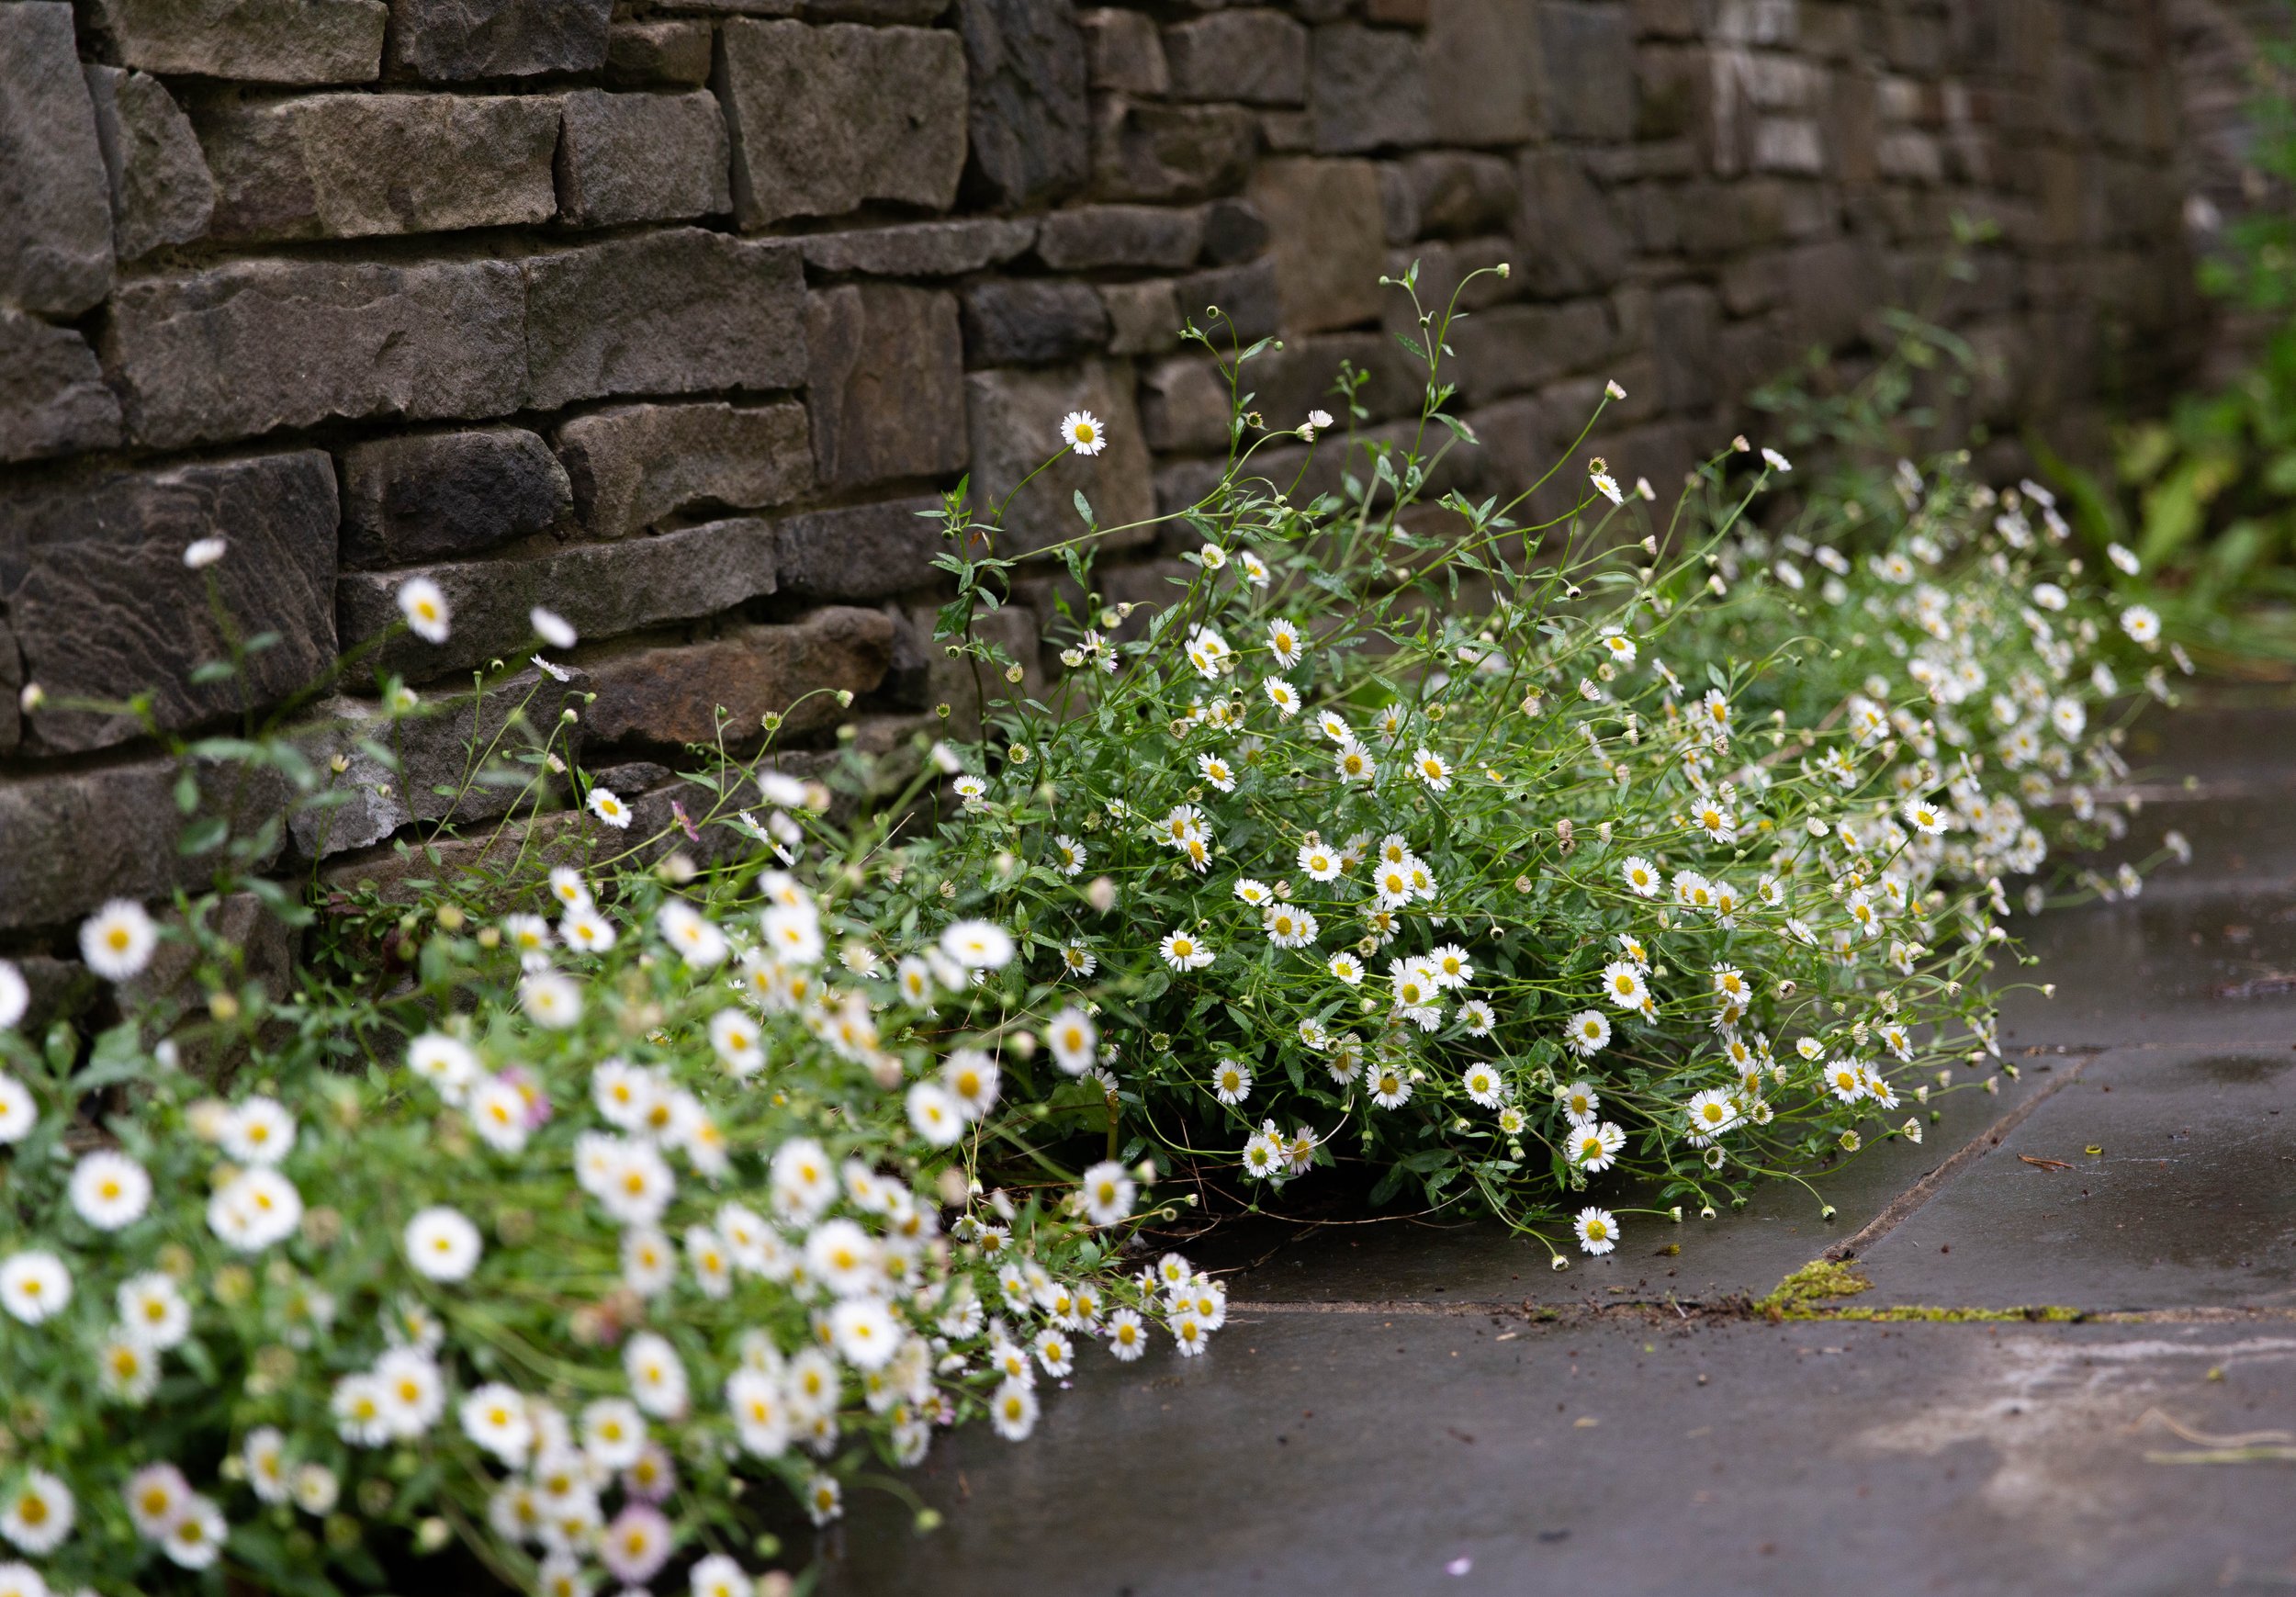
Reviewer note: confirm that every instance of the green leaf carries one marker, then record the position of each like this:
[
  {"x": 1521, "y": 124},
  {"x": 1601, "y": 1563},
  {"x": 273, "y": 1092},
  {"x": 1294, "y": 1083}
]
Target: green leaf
[{"x": 203, "y": 835}]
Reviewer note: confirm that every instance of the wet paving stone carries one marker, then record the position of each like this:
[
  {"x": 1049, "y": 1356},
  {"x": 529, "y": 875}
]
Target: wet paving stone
[
  {"x": 1315, "y": 1452},
  {"x": 2188, "y": 1197},
  {"x": 2164, "y": 973}
]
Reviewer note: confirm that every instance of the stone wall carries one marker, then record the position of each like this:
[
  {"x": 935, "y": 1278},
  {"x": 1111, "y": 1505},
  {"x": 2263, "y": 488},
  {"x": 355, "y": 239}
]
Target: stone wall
[{"x": 671, "y": 314}]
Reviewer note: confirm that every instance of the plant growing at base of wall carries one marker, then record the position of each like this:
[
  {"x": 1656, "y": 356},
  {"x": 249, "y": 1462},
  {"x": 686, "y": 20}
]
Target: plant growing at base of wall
[
  {"x": 624, "y": 1189},
  {"x": 1408, "y": 834},
  {"x": 1579, "y": 870}
]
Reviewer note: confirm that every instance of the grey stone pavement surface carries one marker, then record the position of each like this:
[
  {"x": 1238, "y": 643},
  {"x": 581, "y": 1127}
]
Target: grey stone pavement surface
[{"x": 1395, "y": 1407}]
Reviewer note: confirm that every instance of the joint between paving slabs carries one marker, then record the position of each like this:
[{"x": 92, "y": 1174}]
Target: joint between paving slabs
[{"x": 1901, "y": 1208}]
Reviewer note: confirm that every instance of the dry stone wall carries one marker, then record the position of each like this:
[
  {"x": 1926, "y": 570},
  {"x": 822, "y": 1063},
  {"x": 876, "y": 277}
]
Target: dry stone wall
[{"x": 671, "y": 314}]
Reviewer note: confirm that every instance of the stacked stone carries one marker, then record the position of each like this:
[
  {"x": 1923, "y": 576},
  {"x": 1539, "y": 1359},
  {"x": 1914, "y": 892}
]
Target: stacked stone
[{"x": 671, "y": 314}]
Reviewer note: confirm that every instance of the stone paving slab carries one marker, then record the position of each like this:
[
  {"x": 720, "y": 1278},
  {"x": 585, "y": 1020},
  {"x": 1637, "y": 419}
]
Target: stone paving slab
[
  {"x": 2160, "y": 967},
  {"x": 2188, "y": 1200},
  {"x": 1345, "y": 1453}
]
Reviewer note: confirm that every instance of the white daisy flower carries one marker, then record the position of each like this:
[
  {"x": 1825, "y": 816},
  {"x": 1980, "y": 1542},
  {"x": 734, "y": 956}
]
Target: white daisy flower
[
  {"x": 1597, "y": 1229},
  {"x": 935, "y": 1113},
  {"x": 1623, "y": 984},
  {"x": 441, "y": 1244},
  {"x": 259, "y": 1131},
  {"x": 1594, "y": 1147},
  {"x": 1073, "y": 1040},
  {"x": 19, "y": 1111},
  {"x": 34, "y": 1285},
  {"x": 116, "y": 941},
  {"x": 1108, "y": 1193},
  {"x": 1232, "y": 1082},
  {"x": 1589, "y": 1033},
  {"x": 38, "y": 1515},
  {"x": 425, "y": 608},
  {"x": 977, "y": 945},
  {"x": 110, "y": 1190},
  {"x": 152, "y": 1311},
  {"x": 552, "y": 628},
  {"x": 550, "y": 1000},
  {"x": 1081, "y": 431},
  {"x": 1185, "y": 952},
  {"x": 607, "y": 805}
]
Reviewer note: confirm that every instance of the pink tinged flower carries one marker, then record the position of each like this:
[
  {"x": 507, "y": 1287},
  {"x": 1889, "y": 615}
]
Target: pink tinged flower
[{"x": 636, "y": 1545}]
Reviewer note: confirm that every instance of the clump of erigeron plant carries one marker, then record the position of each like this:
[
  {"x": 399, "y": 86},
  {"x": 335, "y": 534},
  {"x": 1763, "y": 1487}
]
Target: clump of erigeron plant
[
  {"x": 545, "y": 1222},
  {"x": 1405, "y": 832}
]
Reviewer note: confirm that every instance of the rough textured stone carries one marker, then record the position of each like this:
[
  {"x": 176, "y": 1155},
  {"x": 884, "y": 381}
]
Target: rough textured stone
[
  {"x": 1398, "y": 204},
  {"x": 162, "y": 192},
  {"x": 78, "y": 837},
  {"x": 629, "y": 158},
  {"x": 352, "y": 166},
  {"x": 1367, "y": 89},
  {"x": 1143, "y": 317},
  {"x": 1184, "y": 406},
  {"x": 1015, "y": 418},
  {"x": 664, "y": 313},
  {"x": 1518, "y": 347},
  {"x": 877, "y": 13},
  {"x": 1030, "y": 123},
  {"x": 91, "y": 571},
  {"x": 1169, "y": 153},
  {"x": 1124, "y": 52},
  {"x": 1589, "y": 60},
  {"x": 1233, "y": 232},
  {"x": 634, "y": 465},
  {"x": 1258, "y": 57},
  {"x": 1285, "y": 383},
  {"x": 1329, "y": 244},
  {"x": 667, "y": 51},
  {"x": 886, "y": 387},
  {"x": 1091, "y": 237},
  {"x": 517, "y": 714},
  {"x": 244, "y": 347},
  {"x": 921, "y": 249},
  {"x": 1032, "y": 322},
  {"x": 429, "y": 496},
  {"x": 867, "y": 551},
  {"x": 11, "y": 685},
  {"x": 457, "y": 40},
  {"x": 673, "y": 695},
  {"x": 55, "y": 204},
  {"x": 1454, "y": 194},
  {"x": 824, "y": 118},
  {"x": 1571, "y": 240},
  {"x": 1483, "y": 71},
  {"x": 1232, "y": 303},
  {"x": 1682, "y": 325},
  {"x": 53, "y": 397},
  {"x": 263, "y": 41},
  {"x": 602, "y": 589}
]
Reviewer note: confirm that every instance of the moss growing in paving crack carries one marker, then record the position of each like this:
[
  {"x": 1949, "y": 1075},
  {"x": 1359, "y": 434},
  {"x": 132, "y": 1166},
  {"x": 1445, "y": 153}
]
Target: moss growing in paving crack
[
  {"x": 1802, "y": 1294},
  {"x": 1818, "y": 1279}
]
